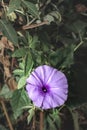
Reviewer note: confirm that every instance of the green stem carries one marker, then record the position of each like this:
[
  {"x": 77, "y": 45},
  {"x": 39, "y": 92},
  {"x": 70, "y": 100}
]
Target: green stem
[
  {"x": 62, "y": 107},
  {"x": 78, "y": 46},
  {"x": 33, "y": 126}
]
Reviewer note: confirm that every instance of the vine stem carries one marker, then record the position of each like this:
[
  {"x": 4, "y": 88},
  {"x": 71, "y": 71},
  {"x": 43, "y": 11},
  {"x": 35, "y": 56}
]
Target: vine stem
[
  {"x": 34, "y": 118},
  {"x": 41, "y": 120},
  {"x": 6, "y": 114},
  {"x": 78, "y": 46}
]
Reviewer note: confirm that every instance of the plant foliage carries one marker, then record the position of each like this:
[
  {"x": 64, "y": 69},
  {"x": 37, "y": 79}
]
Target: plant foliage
[{"x": 52, "y": 32}]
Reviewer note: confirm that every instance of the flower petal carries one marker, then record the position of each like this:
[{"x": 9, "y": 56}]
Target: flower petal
[
  {"x": 44, "y": 72},
  {"x": 50, "y": 102},
  {"x": 32, "y": 91},
  {"x": 34, "y": 94},
  {"x": 34, "y": 80},
  {"x": 56, "y": 77},
  {"x": 39, "y": 101},
  {"x": 60, "y": 93},
  {"x": 62, "y": 83}
]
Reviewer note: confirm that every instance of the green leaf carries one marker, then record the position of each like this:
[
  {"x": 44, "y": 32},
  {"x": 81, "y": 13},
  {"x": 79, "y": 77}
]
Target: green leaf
[
  {"x": 22, "y": 64},
  {"x": 31, "y": 8},
  {"x": 31, "y": 114},
  {"x": 6, "y": 92},
  {"x": 51, "y": 124},
  {"x": 78, "y": 26},
  {"x": 53, "y": 16},
  {"x": 18, "y": 101},
  {"x": 21, "y": 52},
  {"x": 75, "y": 119},
  {"x": 49, "y": 18},
  {"x": 34, "y": 42},
  {"x": 28, "y": 64},
  {"x": 8, "y": 30},
  {"x": 52, "y": 120},
  {"x": 21, "y": 82},
  {"x": 2, "y": 127},
  {"x": 18, "y": 72},
  {"x": 62, "y": 57},
  {"x": 56, "y": 15},
  {"x": 13, "y": 5}
]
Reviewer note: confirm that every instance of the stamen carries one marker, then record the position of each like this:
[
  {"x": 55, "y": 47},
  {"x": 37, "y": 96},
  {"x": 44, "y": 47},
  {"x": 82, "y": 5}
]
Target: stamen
[{"x": 44, "y": 89}]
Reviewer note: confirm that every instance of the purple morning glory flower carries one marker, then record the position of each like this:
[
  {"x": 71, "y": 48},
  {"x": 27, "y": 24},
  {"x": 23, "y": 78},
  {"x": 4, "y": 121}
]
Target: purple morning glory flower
[{"x": 47, "y": 87}]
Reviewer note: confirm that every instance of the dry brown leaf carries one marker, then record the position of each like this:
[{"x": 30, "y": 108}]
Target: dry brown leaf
[
  {"x": 9, "y": 79},
  {"x": 81, "y": 8},
  {"x": 6, "y": 61},
  {"x": 6, "y": 43},
  {"x": 6, "y": 64},
  {"x": 0, "y": 13},
  {"x": 12, "y": 83}
]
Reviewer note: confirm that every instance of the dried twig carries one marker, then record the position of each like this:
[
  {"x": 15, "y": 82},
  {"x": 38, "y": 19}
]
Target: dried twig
[
  {"x": 6, "y": 115},
  {"x": 30, "y": 26}
]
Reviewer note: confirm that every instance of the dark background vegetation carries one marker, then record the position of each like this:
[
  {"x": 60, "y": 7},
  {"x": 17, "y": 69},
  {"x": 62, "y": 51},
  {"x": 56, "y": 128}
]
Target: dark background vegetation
[{"x": 37, "y": 32}]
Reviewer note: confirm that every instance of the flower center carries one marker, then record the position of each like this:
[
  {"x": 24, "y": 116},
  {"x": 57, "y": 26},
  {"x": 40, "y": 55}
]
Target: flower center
[{"x": 44, "y": 89}]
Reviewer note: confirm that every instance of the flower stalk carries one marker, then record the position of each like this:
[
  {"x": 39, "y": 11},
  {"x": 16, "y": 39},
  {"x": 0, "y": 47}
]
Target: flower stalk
[{"x": 41, "y": 120}]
